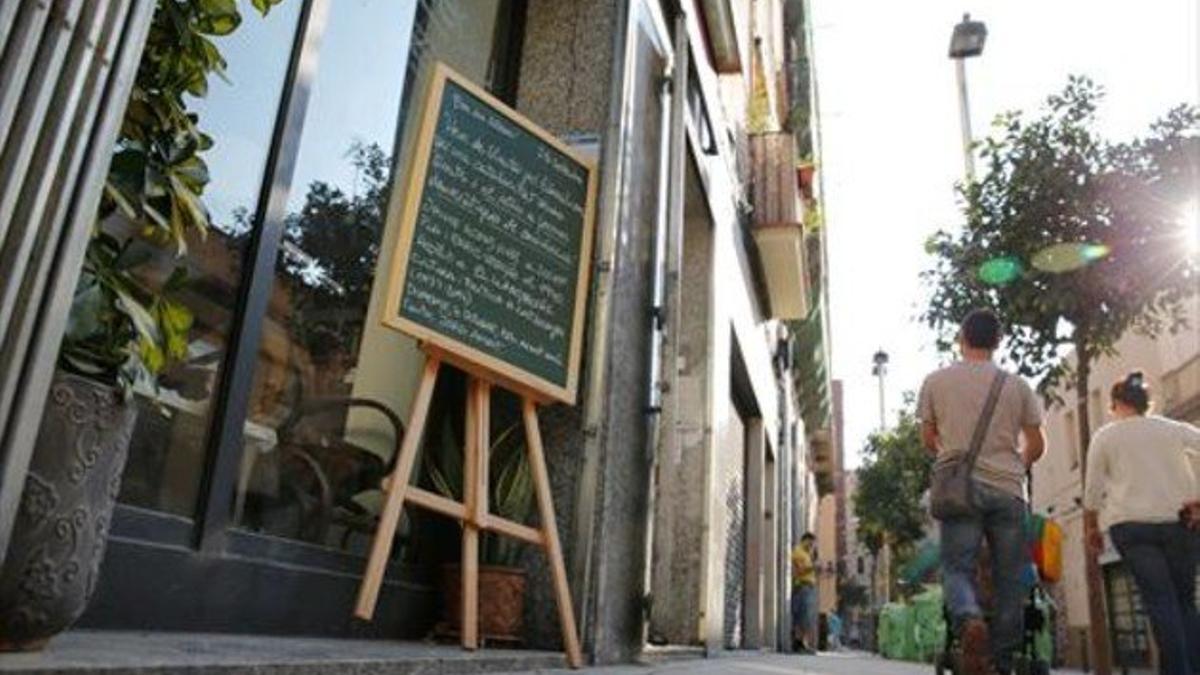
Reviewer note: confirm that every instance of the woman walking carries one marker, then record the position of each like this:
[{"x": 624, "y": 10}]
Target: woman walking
[{"x": 1140, "y": 475}]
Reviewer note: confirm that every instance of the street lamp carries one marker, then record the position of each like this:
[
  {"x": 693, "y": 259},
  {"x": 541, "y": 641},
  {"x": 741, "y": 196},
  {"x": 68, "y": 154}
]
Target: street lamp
[
  {"x": 880, "y": 370},
  {"x": 965, "y": 42}
]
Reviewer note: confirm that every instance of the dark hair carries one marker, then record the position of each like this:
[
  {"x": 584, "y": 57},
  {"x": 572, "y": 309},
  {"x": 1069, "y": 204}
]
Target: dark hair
[
  {"x": 981, "y": 329},
  {"x": 1133, "y": 392},
  {"x": 808, "y": 536}
]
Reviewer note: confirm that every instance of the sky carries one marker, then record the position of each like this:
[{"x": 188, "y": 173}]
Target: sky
[
  {"x": 370, "y": 39},
  {"x": 892, "y": 148}
]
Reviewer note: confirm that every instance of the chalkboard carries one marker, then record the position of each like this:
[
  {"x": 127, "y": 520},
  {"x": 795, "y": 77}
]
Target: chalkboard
[{"x": 496, "y": 231}]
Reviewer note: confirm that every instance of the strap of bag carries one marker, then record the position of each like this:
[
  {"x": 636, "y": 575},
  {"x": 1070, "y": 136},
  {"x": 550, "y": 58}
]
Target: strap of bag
[{"x": 985, "y": 419}]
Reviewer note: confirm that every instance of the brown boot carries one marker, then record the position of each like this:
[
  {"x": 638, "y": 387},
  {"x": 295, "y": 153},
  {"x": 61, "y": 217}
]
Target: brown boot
[{"x": 976, "y": 650}]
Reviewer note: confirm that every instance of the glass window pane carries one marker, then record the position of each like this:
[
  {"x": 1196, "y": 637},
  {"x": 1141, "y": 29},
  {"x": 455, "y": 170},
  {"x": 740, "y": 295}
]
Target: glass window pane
[
  {"x": 169, "y": 445},
  {"x": 331, "y": 382}
]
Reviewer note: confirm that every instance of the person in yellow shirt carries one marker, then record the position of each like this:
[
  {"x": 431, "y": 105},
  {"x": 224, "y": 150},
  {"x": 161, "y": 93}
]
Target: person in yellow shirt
[{"x": 804, "y": 595}]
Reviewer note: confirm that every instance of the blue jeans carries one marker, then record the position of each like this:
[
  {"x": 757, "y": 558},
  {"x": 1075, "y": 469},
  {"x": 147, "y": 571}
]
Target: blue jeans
[
  {"x": 804, "y": 609},
  {"x": 1163, "y": 559},
  {"x": 1001, "y": 518}
]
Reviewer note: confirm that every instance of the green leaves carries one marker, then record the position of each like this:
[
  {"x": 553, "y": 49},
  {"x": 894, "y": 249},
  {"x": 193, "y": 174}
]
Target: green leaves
[
  {"x": 894, "y": 476},
  {"x": 264, "y": 6},
  {"x": 157, "y": 181},
  {"x": 128, "y": 323},
  {"x": 122, "y": 328},
  {"x": 217, "y": 17},
  {"x": 510, "y": 483}
]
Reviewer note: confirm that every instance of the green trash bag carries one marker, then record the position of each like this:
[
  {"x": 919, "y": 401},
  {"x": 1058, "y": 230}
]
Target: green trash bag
[
  {"x": 896, "y": 632},
  {"x": 929, "y": 623},
  {"x": 888, "y": 630}
]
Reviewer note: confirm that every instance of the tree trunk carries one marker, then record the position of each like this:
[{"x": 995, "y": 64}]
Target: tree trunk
[
  {"x": 1101, "y": 653},
  {"x": 874, "y": 580}
]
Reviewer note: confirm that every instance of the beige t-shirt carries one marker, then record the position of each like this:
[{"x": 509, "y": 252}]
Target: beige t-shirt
[
  {"x": 1139, "y": 471},
  {"x": 953, "y": 399}
]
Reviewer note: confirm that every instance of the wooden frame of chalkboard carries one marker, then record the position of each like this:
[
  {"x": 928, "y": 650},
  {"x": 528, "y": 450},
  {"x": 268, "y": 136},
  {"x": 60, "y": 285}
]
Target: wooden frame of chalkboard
[{"x": 398, "y": 315}]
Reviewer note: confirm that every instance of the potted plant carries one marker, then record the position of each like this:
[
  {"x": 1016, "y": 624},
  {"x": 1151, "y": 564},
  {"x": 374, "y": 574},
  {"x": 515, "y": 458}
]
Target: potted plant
[
  {"x": 501, "y": 580},
  {"x": 126, "y": 327},
  {"x": 806, "y": 172}
]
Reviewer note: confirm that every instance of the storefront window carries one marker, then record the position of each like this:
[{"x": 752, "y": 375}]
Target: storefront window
[
  {"x": 168, "y": 451},
  {"x": 332, "y": 384}
]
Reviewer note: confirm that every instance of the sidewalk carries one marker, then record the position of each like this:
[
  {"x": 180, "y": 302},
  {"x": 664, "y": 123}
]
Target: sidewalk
[
  {"x": 746, "y": 663},
  {"x": 86, "y": 652},
  {"x": 133, "y": 653}
]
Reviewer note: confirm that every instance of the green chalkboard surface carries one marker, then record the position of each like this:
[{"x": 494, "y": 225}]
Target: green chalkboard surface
[{"x": 495, "y": 240}]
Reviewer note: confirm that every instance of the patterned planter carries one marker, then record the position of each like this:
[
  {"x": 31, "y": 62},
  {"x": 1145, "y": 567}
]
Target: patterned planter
[{"x": 62, "y": 526}]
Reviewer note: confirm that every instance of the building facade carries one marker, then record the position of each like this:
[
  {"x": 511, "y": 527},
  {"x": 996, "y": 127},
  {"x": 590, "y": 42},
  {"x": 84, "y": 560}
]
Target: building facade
[
  {"x": 868, "y": 574},
  {"x": 831, "y": 526},
  {"x": 1172, "y": 367},
  {"x": 702, "y": 438}
]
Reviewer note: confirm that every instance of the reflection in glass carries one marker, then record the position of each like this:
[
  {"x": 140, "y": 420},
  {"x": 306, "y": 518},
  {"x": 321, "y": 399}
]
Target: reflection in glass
[
  {"x": 169, "y": 445},
  {"x": 331, "y": 382}
]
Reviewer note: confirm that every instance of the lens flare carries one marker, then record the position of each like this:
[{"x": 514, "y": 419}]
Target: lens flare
[
  {"x": 1000, "y": 271},
  {"x": 1191, "y": 226},
  {"x": 1062, "y": 258}
]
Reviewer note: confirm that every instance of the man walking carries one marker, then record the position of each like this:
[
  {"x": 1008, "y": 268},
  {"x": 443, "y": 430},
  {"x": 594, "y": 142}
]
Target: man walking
[{"x": 954, "y": 407}]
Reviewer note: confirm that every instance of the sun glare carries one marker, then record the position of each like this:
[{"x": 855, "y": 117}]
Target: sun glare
[{"x": 1191, "y": 226}]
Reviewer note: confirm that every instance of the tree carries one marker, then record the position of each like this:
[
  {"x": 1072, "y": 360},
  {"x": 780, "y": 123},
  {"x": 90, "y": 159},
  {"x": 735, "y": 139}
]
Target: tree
[
  {"x": 1073, "y": 240},
  {"x": 891, "y": 482},
  {"x": 332, "y": 245}
]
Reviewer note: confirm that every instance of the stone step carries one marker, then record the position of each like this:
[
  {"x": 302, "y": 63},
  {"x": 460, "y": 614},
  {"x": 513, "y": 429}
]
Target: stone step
[{"x": 87, "y": 652}]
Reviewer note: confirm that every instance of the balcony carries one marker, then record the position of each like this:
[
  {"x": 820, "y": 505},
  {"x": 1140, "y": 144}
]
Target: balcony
[
  {"x": 811, "y": 377},
  {"x": 778, "y": 224},
  {"x": 821, "y": 443}
]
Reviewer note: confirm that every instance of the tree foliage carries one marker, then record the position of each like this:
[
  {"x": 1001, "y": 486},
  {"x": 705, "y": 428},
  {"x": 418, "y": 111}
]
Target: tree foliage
[
  {"x": 331, "y": 245},
  {"x": 1091, "y": 230},
  {"x": 891, "y": 482}
]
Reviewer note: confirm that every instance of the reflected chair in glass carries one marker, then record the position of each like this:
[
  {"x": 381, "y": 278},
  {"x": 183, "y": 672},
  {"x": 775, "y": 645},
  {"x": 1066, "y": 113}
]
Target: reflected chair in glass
[{"x": 321, "y": 473}]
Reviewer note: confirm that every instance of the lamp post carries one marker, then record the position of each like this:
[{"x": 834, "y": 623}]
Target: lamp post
[
  {"x": 966, "y": 41},
  {"x": 879, "y": 370}
]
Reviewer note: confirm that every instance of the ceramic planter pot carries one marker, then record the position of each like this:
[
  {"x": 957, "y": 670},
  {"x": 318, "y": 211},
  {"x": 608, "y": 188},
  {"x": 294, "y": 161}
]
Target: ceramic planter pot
[
  {"x": 62, "y": 524},
  {"x": 501, "y": 602},
  {"x": 804, "y": 175}
]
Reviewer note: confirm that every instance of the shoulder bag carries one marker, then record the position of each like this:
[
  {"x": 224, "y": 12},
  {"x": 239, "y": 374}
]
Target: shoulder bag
[{"x": 950, "y": 491}]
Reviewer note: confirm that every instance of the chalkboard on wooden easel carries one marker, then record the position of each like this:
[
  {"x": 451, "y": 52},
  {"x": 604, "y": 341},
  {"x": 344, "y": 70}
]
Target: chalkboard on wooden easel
[
  {"x": 495, "y": 241},
  {"x": 491, "y": 274}
]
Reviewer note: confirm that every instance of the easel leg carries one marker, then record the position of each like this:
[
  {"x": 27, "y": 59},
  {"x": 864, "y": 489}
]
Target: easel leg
[
  {"x": 541, "y": 483},
  {"x": 475, "y": 498},
  {"x": 397, "y": 483}
]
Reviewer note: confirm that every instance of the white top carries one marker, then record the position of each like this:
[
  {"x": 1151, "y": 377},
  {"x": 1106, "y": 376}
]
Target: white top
[{"x": 1138, "y": 470}]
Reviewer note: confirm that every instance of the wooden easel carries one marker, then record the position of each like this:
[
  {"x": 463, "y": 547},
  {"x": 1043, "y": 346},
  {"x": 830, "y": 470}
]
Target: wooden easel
[{"x": 473, "y": 512}]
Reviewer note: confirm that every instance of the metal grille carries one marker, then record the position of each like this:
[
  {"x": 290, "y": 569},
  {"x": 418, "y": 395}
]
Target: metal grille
[
  {"x": 66, "y": 69},
  {"x": 1130, "y": 625},
  {"x": 734, "y": 494}
]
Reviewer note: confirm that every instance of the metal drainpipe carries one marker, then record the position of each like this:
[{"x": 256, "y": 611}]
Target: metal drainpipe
[
  {"x": 661, "y": 394},
  {"x": 653, "y": 391},
  {"x": 595, "y": 408},
  {"x": 784, "y": 496}
]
